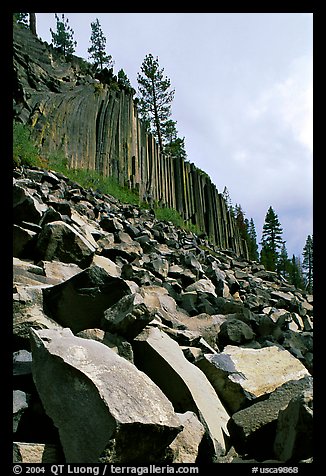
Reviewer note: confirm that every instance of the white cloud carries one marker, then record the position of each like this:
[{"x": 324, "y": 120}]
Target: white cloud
[{"x": 290, "y": 101}]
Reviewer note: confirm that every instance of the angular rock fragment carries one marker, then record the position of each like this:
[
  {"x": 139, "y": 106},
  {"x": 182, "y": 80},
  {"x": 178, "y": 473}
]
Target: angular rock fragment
[
  {"x": 112, "y": 411},
  {"x": 234, "y": 331},
  {"x": 57, "y": 272},
  {"x": 26, "y": 207},
  {"x": 202, "y": 286},
  {"x": 294, "y": 432},
  {"x": 128, "y": 317},
  {"x": 28, "y": 312},
  {"x": 20, "y": 403},
  {"x": 60, "y": 241},
  {"x": 183, "y": 383},
  {"x": 79, "y": 302},
  {"x": 36, "y": 453},
  {"x": 22, "y": 362},
  {"x": 253, "y": 429},
  {"x": 240, "y": 375},
  {"x": 108, "y": 265},
  {"x": 185, "y": 446}
]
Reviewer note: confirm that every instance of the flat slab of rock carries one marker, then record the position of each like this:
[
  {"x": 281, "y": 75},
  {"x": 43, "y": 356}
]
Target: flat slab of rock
[
  {"x": 183, "y": 383},
  {"x": 104, "y": 408},
  {"x": 240, "y": 375}
]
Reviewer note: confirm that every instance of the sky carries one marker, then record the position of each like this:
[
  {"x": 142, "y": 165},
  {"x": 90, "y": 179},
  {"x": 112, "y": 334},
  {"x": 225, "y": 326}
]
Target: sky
[{"x": 243, "y": 99}]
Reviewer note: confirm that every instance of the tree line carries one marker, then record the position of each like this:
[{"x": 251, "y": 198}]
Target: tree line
[
  {"x": 154, "y": 106},
  {"x": 273, "y": 254}
]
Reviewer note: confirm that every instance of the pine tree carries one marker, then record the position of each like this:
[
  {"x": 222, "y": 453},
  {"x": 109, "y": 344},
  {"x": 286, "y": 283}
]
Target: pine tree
[
  {"x": 123, "y": 79},
  {"x": 21, "y": 19},
  {"x": 308, "y": 263},
  {"x": 271, "y": 240},
  {"x": 283, "y": 263},
  {"x": 63, "y": 37},
  {"x": 173, "y": 145},
  {"x": 155, "y": 97},
  {"x": 32, "y": 23},
  {"x": 227, "y": 198},
  {"x": 252, "y": 241},
  {"x": 240, "y": 221},
  {"x": 295, "y": 273},
  {"x": 97, "y": 48}
]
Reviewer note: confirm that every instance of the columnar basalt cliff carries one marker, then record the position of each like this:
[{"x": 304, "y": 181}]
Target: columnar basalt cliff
[{"x": 95, "y": 123}]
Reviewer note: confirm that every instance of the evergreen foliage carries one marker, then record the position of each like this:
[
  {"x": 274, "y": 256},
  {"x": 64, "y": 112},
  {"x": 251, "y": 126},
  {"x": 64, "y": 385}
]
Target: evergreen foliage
[
  {"x": 21, "y": 19},
  {"x": 283, "y": 263},
  {"x": 308, "y": 263},
  {"x": 63, "y": 38},
  {"x": 252, "y": 241},
  {"x": 295, "y": 272},
  {"x": 271, "y": 240},
  {"x": 123, "y": 79},
  {"x": 173, "y": 145},
  {"x": 97, "y": 48},
  {"x": 155, "y": 97}
]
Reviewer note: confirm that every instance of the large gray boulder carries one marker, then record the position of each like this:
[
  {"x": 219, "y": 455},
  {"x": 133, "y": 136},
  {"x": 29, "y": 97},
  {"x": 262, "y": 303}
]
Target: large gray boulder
[
  {"x": 104, "y": 408},
  {"x": 28, "y": 312},
  {"x": 26, "y": 207},
  {"x": 253, "y": 429},
  {"x": 183, "y": 383},
  {"x": 79, "y": 302},
  {"x": 294, "y": 432},
  {"x": 128, "y": 317},
  {"x": 240, "y": 375},
  {"x": 62, "y": 242}
]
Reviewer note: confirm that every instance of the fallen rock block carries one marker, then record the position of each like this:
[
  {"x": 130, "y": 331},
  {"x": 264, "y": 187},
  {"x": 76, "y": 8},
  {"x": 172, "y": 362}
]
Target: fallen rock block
[
  {"x": 182, "y": 382},
  {"x": 128, "y": 317},
  {"x": 58, "y": 272},
  {"x": 105, "y": 409},
  {"x": 28, "y": 312},
  {"x": 20, "y": 403},
  {"x": 294, "y": 432},
  {"x": 60, "y": 241},
  {"x": 185, "y": 446},
  {"x": 253, "y": 429},
  {"x": 240, "y": 375},
  {"x": 79, "y": 302}
]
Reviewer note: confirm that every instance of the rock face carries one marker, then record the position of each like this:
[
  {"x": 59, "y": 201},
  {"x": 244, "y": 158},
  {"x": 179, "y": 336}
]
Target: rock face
[
  {"x": 175, "y": 351},
  {"x": 65, "y": 104},
  {"x": 98, "y": 386}
]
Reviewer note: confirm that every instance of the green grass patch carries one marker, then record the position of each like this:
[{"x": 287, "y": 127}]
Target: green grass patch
[
  {"x": 25, "y": 151},
  {"x": 94, "y": 180}
]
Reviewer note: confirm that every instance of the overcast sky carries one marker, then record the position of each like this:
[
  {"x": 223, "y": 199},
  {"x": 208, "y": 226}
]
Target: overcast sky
[{"x": 243, "y": 99}]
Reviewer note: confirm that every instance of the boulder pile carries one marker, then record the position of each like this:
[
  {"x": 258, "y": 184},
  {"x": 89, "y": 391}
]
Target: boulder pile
[{"x": 137, "y": 342}]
